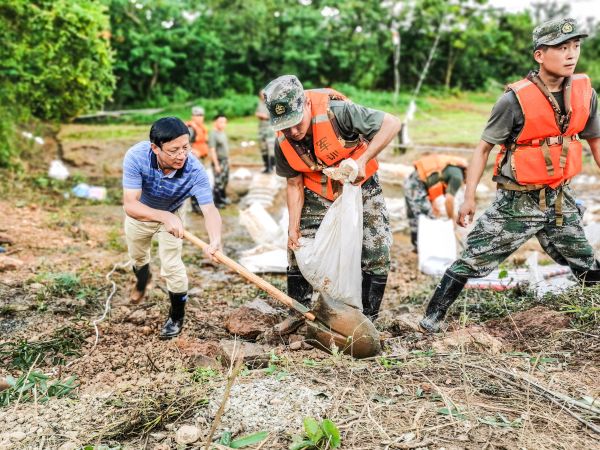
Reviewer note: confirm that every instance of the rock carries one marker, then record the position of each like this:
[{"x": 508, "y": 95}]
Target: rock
[
  {"x": 6, "y": 239},
  {"x": 187, "y": 434},
  {"x": 474, "y": 337},
  {"x": 35, "y": 287},
  {"x": 535, "y": 322},
  {"x": 146, "y": 330},
  {"x": 137, "y": 317},
  {"x": 158, "y": 436},
  {"x": 296, "y": 345},
  {"x": 17, "y": 436},
  {"x": 69, "y": 446},
  {"x": 3, "y": 385},
  {"x": 252, "y": 319},
  {"x": 9, "y": 263},
  {"x": 204, "y": 361},
  {"x": 161, "y": 447},
  {"x": 255, "y": 356},
  {"x": 196, "y": 348}
]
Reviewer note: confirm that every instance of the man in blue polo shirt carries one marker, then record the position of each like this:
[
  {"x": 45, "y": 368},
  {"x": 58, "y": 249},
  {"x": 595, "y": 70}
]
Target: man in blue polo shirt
[{"x": 158, "y": 176}]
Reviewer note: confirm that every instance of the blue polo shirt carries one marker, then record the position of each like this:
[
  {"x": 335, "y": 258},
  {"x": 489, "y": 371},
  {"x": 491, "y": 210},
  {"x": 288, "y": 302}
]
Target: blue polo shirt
[{"x": 160, "y": 191}]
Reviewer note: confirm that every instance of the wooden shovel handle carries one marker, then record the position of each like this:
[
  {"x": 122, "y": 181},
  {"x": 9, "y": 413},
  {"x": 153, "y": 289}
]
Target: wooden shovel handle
[{"x": 258, "y": 281}]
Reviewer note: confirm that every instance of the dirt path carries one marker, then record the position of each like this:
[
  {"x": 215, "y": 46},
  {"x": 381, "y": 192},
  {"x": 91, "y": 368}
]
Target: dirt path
[{"x": 467, "y": 388}]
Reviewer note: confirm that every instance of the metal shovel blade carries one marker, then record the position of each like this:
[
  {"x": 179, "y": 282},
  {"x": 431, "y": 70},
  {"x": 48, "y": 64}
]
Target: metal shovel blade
[
  {"x": 342, "y": 327},
  {"x": 329, "y": 322}
]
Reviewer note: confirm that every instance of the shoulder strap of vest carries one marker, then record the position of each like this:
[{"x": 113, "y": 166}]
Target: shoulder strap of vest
[{"x": 562, "y": 120}]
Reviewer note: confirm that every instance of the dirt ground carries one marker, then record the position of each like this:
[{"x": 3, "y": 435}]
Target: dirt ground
[{"x": 525, "y": 380}]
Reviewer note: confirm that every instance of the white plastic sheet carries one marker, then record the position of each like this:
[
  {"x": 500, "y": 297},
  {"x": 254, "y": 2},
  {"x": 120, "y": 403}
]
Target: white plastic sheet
[
  {"x": 331, "y": 261},
  {"x": 58, "y": 170},
  {"x": 437, "y": 245}
]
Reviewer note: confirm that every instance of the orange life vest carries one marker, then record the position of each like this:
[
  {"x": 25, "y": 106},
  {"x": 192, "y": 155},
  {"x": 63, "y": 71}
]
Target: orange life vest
[
  {"x": 542, "y": 155},
  {"x": 330, "y": 148},
  {"x": 200, "y": 144},
  {"x": 430, "y": 164}
]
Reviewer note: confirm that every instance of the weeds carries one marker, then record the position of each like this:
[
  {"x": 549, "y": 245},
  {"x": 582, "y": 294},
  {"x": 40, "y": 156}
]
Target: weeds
[
  {"x": 317, "y": 436},
  {"x": 204, "y": 374},
  {"x": 63, "y": 343},
  {"x": 242, "y": 442},
  {"x": 138, "y": 417},
  {"x": 35, "y": 386}
]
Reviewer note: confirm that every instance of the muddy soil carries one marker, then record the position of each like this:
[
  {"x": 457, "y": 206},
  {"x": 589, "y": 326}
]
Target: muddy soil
[{"x": 469, "y": 388}]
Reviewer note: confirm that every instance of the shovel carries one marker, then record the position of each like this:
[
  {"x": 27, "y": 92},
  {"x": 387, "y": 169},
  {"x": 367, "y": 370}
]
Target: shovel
[{"x": 331, "y": 324}]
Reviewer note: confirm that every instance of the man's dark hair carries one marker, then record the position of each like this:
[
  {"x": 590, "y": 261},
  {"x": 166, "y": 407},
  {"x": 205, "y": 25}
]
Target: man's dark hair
[
  {"x": 218, "y": 116},
  {"x": 166, "y": 129}
]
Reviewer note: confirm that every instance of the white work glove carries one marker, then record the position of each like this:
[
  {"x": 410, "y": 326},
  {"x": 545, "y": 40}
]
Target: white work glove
[{"x": 346, "y": 171}]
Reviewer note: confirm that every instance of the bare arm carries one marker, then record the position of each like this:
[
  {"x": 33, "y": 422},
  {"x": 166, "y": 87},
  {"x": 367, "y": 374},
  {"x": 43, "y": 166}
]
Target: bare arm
[
  {"x": 261, "y": 115},
  {"x": 137, "y": 210},
  {"x": 449, "y": 204},
  {"x": 474, "y": 173},
  {"x": 389, "y": 129},
  {"x": 212, "y": 222},
  {"x": 295, "y": 202},
  {"x": 595, "y": 148}
]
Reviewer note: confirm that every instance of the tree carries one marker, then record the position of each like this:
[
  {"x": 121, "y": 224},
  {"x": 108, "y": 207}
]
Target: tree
[{"x": 55, "y": 62}]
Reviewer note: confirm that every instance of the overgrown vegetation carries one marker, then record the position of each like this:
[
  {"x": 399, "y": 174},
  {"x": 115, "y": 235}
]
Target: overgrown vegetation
[
  {"x": 35, "y": 386},
  {"x": 62, "y": 344},
  {"x": 317, "y": 435}
]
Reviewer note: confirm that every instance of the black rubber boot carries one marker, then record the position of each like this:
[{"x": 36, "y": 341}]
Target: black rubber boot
[
  {"x": 373, "y": 288},
  {"x": 267, "y": 164},
  {"x": 174, "y": 323},
  {"x": 588, "y": 277},
  {"x": 300, "y": 290},
  {"x": 224, "y": 198},
  {"x": 413, "y": 241},
  {"x": 143, "y": 277},
  {"x": 446, "y": 292}
]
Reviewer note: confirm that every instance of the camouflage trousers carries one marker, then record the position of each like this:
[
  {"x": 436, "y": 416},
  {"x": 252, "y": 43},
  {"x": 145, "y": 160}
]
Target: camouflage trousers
[
  {"x": 512, "y": 219},
  {"x": 266, "y": 141},
  {"x": 222, "y": 178},
  {"x": 377, "y": 236},
  {"x": 417, "y": 202}
]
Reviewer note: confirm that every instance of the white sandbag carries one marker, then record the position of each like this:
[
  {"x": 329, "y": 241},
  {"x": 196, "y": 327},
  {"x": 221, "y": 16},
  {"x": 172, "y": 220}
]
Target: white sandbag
[
  {"x": 331, "y": 261},
  {"x": 57, "y": 170},
  {"x": 262, "y": 228},
  {"x": 437, "y": 245}
]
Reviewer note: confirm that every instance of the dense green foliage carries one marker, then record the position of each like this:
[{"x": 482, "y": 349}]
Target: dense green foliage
[
  {"x": 55, "y": 62},
  {"x": 172, "y": 51}
]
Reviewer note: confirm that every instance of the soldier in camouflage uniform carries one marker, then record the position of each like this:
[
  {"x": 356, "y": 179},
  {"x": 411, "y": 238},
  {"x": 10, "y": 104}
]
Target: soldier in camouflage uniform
[
  {"x": 266, "y": 135},
  {"x": 292, "y": 113},
  {"x": 521, "y": 209},
  {"x": 219, "y": 155},
  {"x": 418, "y": 200}
]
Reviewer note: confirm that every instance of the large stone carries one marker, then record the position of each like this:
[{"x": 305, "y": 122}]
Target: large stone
[
  {"x": 187, "y": 434},
  {"x": 252, "y": 319},
  {"x": 254, "y": 356},
  {"x": 9, "y": 263}
]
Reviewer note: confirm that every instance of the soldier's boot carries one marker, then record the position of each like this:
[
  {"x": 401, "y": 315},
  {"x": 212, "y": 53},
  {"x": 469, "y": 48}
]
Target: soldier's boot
[
  {"x": 446, "y": 292},
  {"x": 267, "y": 164},
  {"x": 174, "y": 323},
  {"x": 413, "y": 241},
  {"x": 373, "y": 288},
  {"x": 224, "y": 198},
  {"x": 300, "y": 290},
  {"x": 588, "y": 277},
  {"x": 217, "y": 199},
  {"x": 141, "y": 285}
]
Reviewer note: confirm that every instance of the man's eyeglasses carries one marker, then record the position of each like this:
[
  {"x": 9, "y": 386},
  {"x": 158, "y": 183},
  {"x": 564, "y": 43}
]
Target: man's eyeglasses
[{"x": 184, "y": 151}]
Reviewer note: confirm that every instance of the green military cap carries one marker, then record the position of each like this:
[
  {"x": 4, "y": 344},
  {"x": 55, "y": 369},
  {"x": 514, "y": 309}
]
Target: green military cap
[
  {"x": 556, "y": 31},
  {"x": 284, "y": 98}
]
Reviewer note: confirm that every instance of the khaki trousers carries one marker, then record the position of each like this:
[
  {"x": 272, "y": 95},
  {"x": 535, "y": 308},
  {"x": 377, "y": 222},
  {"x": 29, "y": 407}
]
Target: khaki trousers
[{"x": 139, "y": 242}]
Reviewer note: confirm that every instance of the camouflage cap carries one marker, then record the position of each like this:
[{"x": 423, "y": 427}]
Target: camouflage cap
[
  {"x": 556, "y": 31},
  {"x": 197, "y": 111},
  {"x": 284, "y": 98}
]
